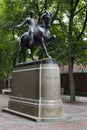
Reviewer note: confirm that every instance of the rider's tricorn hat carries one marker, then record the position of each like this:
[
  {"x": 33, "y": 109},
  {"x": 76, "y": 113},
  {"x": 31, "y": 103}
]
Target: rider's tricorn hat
[{"x": 31, "y": 12}]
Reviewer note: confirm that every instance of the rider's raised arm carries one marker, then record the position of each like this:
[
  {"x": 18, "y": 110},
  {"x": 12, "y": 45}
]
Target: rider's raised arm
[{"x": 21, "y": 24}]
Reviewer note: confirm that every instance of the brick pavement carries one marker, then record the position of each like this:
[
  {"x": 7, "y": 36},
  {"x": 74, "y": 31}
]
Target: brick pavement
[{"x": 77, "y": 111}]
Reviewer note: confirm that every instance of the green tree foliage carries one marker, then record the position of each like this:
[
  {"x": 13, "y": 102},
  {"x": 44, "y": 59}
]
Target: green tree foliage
[
  {"x": 74, "y": 35},
  {"x": 7, "y": 52},
  {"x": 68, "y": 24}
]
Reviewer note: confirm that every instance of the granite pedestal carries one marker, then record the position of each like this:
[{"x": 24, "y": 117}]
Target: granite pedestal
[{"x": 36, "y": 91}]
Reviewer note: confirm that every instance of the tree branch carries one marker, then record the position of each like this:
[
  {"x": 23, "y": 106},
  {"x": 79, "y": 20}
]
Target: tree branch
[
  {"x": 84, "y": 26},
  {"x": 36, "y": 4},
  {"x": 45, "y": 4},
  {"x": 80, "y": 9},
  {"x": 76, "y": 4},
  {"x": 56, "y": 12}
]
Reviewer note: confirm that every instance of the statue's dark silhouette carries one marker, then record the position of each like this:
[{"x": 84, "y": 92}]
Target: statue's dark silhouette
[{"x": 37, "y": 34}]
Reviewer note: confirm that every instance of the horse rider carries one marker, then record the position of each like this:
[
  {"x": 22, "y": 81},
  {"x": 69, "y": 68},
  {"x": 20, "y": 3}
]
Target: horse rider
[{"x": 31, "y": 24}]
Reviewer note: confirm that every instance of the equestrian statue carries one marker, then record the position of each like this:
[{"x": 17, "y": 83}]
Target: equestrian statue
[{"x": 38, "y": 33}]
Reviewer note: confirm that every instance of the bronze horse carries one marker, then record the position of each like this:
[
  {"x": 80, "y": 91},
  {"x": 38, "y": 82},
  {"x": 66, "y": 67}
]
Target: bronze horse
[{"x": 41, "y": 35}]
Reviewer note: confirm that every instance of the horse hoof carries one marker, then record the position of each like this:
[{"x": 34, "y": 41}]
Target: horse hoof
[{"x": 49, "y": 57}]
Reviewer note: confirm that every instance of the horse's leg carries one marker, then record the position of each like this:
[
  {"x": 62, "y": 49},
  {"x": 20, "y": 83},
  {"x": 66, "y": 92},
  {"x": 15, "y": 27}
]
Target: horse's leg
[
  {"x": 45, "y": 49},
  {"x": 24, "y": 55},
  {"x": 32, "y": 50},
  {"x": 22, "y": 51},
  {"x": 20, "y": 55}
]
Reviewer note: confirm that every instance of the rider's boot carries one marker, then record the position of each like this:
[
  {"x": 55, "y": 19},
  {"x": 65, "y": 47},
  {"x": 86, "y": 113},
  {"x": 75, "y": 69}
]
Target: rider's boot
[{"x": 31, "y": 39}]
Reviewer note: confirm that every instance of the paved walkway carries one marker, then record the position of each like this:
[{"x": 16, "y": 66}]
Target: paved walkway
[{"x": 77, "y": 111}]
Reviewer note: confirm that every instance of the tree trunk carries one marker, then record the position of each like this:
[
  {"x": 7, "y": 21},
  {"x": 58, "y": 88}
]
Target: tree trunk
[
  {"x": 70, "y": 56},
  {"x": 71, "y": 78}
]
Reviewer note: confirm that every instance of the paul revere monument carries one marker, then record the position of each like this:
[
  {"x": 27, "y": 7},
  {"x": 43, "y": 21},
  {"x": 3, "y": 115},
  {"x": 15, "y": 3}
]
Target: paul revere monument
[{"x": 36, "y": 85}]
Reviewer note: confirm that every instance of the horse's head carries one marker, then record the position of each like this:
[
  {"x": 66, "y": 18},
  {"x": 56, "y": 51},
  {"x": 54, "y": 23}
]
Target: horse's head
[
  {"x": 46, "y": 19},
  {"x": 48, "y": 14}
]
